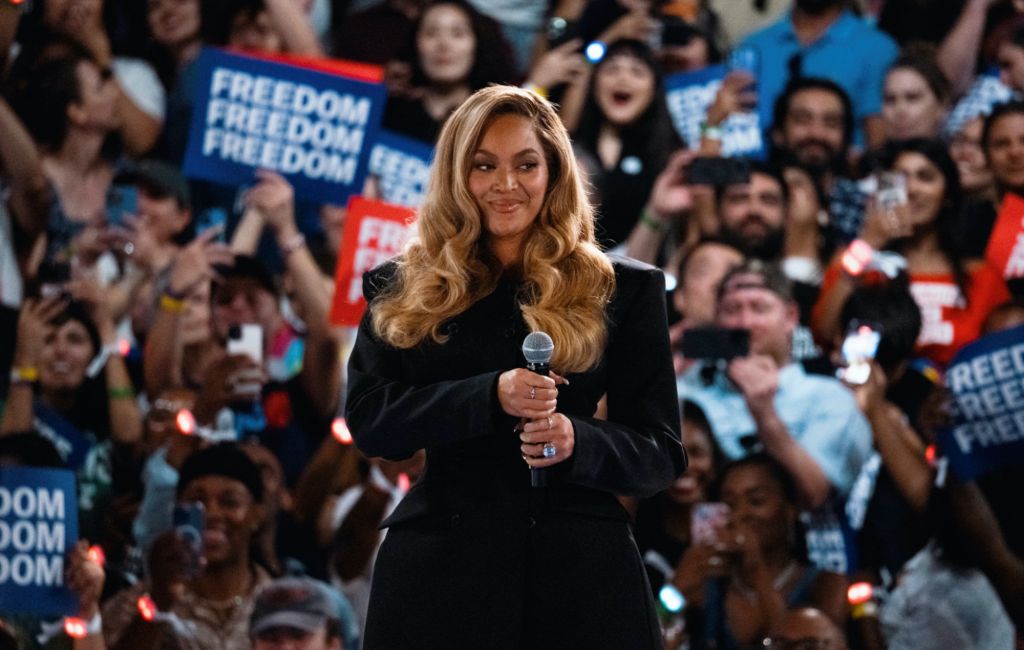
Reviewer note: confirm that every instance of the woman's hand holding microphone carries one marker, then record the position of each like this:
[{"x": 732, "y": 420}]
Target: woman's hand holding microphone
[{"x": 547, "y": 437}]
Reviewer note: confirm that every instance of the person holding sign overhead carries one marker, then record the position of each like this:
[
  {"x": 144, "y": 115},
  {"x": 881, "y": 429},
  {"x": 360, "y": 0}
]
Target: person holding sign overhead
[{"x": 505, "y": 246}]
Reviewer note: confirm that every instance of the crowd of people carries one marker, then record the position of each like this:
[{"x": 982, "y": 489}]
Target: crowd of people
[{"x": 893, "y": 132}]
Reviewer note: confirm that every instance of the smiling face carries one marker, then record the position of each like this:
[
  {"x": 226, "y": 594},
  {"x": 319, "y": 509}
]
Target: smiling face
[
  {"x": 1005, "y": 147},
  {"x": 446, "y": 45},
  {"x": 67, "y": 352},
  {"x": 756, "y": 500},
  {"x": 910, "y": 108},
  {"x": 508, "y": 179},
  {"x": 966, "y": 151},
  {"x": 231, "y": 516},
  {"x": 623, "y": 88},
  {"x": 173, "y": 23},
  {"x": 926, "y": 188}
]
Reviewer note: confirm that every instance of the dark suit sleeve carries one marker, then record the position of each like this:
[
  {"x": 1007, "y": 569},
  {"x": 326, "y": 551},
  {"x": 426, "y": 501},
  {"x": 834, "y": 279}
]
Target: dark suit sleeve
[
  {"x": 637, "y": 451},
  {"x": 392, "y": 418}
]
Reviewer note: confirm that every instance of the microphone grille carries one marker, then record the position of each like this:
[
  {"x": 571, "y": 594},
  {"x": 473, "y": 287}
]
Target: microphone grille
[{"x": 538, "y": 347}]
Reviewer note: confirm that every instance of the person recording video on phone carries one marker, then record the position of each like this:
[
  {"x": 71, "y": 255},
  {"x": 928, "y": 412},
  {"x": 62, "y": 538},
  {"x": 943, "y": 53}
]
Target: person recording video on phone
[
  {"x": 810, "y": 424},
  {"x": 505, "y": 244}
]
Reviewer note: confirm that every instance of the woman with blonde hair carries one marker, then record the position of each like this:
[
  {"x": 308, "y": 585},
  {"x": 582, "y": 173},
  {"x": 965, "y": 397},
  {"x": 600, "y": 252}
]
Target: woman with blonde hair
[{"x": 475, "y": 556}]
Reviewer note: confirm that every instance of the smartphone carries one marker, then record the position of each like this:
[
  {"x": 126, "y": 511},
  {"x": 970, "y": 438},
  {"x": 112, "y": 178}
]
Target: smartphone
[
  {"x": 53, "y": 279},
  {"x": 744, "y": 59},
  {"x": 859, "y": 349},
  {"x": 122, "y": 201},
  {"x": 715, "y": 343},
  {"x": 891, "y": 190},
  {"x": 706, "y": 522},
  {"x": 213, "y": 218},
  {"x": 189, "y": 520},
  {"x": 676, "y": 32},
  {"x": 246, "y": 339},
  {"x": 717, "y": 171}
]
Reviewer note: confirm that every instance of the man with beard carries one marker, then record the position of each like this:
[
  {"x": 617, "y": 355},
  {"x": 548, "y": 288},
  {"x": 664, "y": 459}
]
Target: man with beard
[
  {"x": 823, "y": 38},
  {"x": 752, "y": 215},
  {"x": 812, "y": 129}
]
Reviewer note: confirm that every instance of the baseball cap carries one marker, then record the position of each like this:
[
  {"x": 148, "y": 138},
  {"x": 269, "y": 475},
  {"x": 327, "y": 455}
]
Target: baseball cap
[
  {"x": 159, "y": 179},
  {"x": 756, "y": 274},
  {"x": 292, "y": 602}
]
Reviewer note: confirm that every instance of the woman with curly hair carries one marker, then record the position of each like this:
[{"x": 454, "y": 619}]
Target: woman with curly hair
[{"x": 475, "y": 556}]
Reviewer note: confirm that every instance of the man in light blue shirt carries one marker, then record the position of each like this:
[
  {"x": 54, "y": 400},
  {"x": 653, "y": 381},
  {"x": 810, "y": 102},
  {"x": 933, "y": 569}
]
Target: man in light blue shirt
[
  {"x": 822, "y": 38},
  {"x": 810, "y": 424}
]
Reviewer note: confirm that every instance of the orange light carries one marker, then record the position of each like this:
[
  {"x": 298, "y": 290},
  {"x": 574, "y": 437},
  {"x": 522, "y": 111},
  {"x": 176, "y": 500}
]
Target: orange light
[
  {"x": 124, "y": 346},
  {"x": 859, "y": 593},
  {"x": 929, "y": 454},
  {"x": 75, "y": 627},
  {"x": 403, "y": 482},
  {"x": 96, "y": 555},
  {"x": 857, "y": 257},
  {"x": 147, "y": 608},
  {"x": 185, "y": 421},
  {"x": 339, "y": 429}
]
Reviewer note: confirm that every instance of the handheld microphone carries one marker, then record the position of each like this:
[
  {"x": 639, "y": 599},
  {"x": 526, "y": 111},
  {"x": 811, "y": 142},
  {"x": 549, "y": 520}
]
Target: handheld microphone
[{"x": 538, "y": 348}]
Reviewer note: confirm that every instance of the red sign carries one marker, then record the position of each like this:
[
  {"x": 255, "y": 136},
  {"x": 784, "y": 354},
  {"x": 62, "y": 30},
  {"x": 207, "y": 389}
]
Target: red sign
[
  {"x": 374, "y": 233},
  {"x": 1006, "y": 244}
]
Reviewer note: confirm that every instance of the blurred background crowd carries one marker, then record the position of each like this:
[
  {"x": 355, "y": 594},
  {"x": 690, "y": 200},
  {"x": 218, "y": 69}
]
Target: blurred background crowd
[{"x": 893, "y": 130}]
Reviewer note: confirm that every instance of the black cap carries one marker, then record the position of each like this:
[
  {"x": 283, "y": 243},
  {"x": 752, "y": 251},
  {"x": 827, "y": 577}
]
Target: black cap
[
  {"x": 158, "y": 179},
  {"x": 225, "y": 459}
]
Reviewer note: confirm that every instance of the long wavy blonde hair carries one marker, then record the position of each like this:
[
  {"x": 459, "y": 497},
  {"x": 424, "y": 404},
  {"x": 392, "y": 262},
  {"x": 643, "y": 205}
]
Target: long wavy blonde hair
[{"x": 447, "y": 266}]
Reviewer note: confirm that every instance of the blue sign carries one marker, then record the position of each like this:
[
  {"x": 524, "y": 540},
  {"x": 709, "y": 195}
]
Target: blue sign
[
  {"x": 38, "y": 526},
  {"x": 689, "y": 94},
  {"x": 312, "y": 127},
  {"x": 72, "y": 445},
  {"x": 402, "y": 168},
  {"x": 986, "y": 379}
]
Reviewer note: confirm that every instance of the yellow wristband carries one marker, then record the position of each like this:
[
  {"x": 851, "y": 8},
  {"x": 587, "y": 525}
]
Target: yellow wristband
[
  {"x": 24, "y": 374},
  {"x": 172, "y": 305}
]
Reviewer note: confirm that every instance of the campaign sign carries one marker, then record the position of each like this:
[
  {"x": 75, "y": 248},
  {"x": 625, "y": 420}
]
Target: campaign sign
[
  {"x": 38, "y": 526},
  {"x": 1006, "y": 243},
  {"x": 986, "y": 379},
  {"x": 402, "y": 168},
  {"x": 312, "y": 127},
  {"x": 72, "y": 445},
  {"x": 689, "y": 94},
  {"x": 374, "y": 233}
]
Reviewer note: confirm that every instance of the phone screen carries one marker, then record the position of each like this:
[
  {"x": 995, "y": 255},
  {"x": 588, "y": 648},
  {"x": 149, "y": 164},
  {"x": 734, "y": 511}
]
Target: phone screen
[
  {"x": 859, "y": 348},
  {"x": 706, "y": 521},
  {"x": 189, "y": 521},
  {"x": 246, "y": 339},
  {"x": 122, "y": 201}
]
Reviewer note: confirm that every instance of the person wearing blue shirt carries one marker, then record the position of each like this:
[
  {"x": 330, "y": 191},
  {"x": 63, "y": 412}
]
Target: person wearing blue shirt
[
  {"x": 810, "y": 424},
  {"x": 822, "y": 38}
]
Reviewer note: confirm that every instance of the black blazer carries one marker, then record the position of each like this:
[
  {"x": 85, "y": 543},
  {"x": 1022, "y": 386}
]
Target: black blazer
[
  {"x": 472, "y": 515},
  {"x": 444, "y": 398}
]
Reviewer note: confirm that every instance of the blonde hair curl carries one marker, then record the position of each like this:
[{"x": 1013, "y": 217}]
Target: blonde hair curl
[{"x": 447, "y": 267}]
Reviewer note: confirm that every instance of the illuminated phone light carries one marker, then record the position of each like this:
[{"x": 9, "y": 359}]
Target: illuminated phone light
[
  {"x": 339, "y": 429},
  {"x": 671, "y": 599},
  {"x": 124, "y": 346},
  {"x": 857, "y": 257},
  {"x": 186, "y": 422},
  {"x": 404, "y": 482},
  {"x": 147, "y": 608},
  {"x": 75, "y": 627},
  {"x": 595, "y": 51},
  {"x": 859, "y": 593},
  {"x": 929, "y": 454},
  {"x": 96, "y": 555}
]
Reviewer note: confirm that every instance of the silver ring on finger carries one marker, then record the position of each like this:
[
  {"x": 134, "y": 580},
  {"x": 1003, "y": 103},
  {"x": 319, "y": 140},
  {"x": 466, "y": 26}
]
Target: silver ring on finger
[
  {"x": 533, "y": 392},
  {"x": 549, "y": 450}
]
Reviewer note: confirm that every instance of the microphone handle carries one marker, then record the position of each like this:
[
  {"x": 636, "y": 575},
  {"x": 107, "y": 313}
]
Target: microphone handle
[{"x": 538, "y": 475}]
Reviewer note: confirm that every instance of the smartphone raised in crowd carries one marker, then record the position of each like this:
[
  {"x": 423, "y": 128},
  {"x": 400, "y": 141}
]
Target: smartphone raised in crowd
[
  {"x": 122, "y": 201},
  {"x": 189, "y": 520},
  {"x": 859, "y": 349},
  {"x": 706, "y": 522},
  {"x": 246, "y": 339},
  {"x": 715, "y": 343},
  {"x": 718, "y": 171}
]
